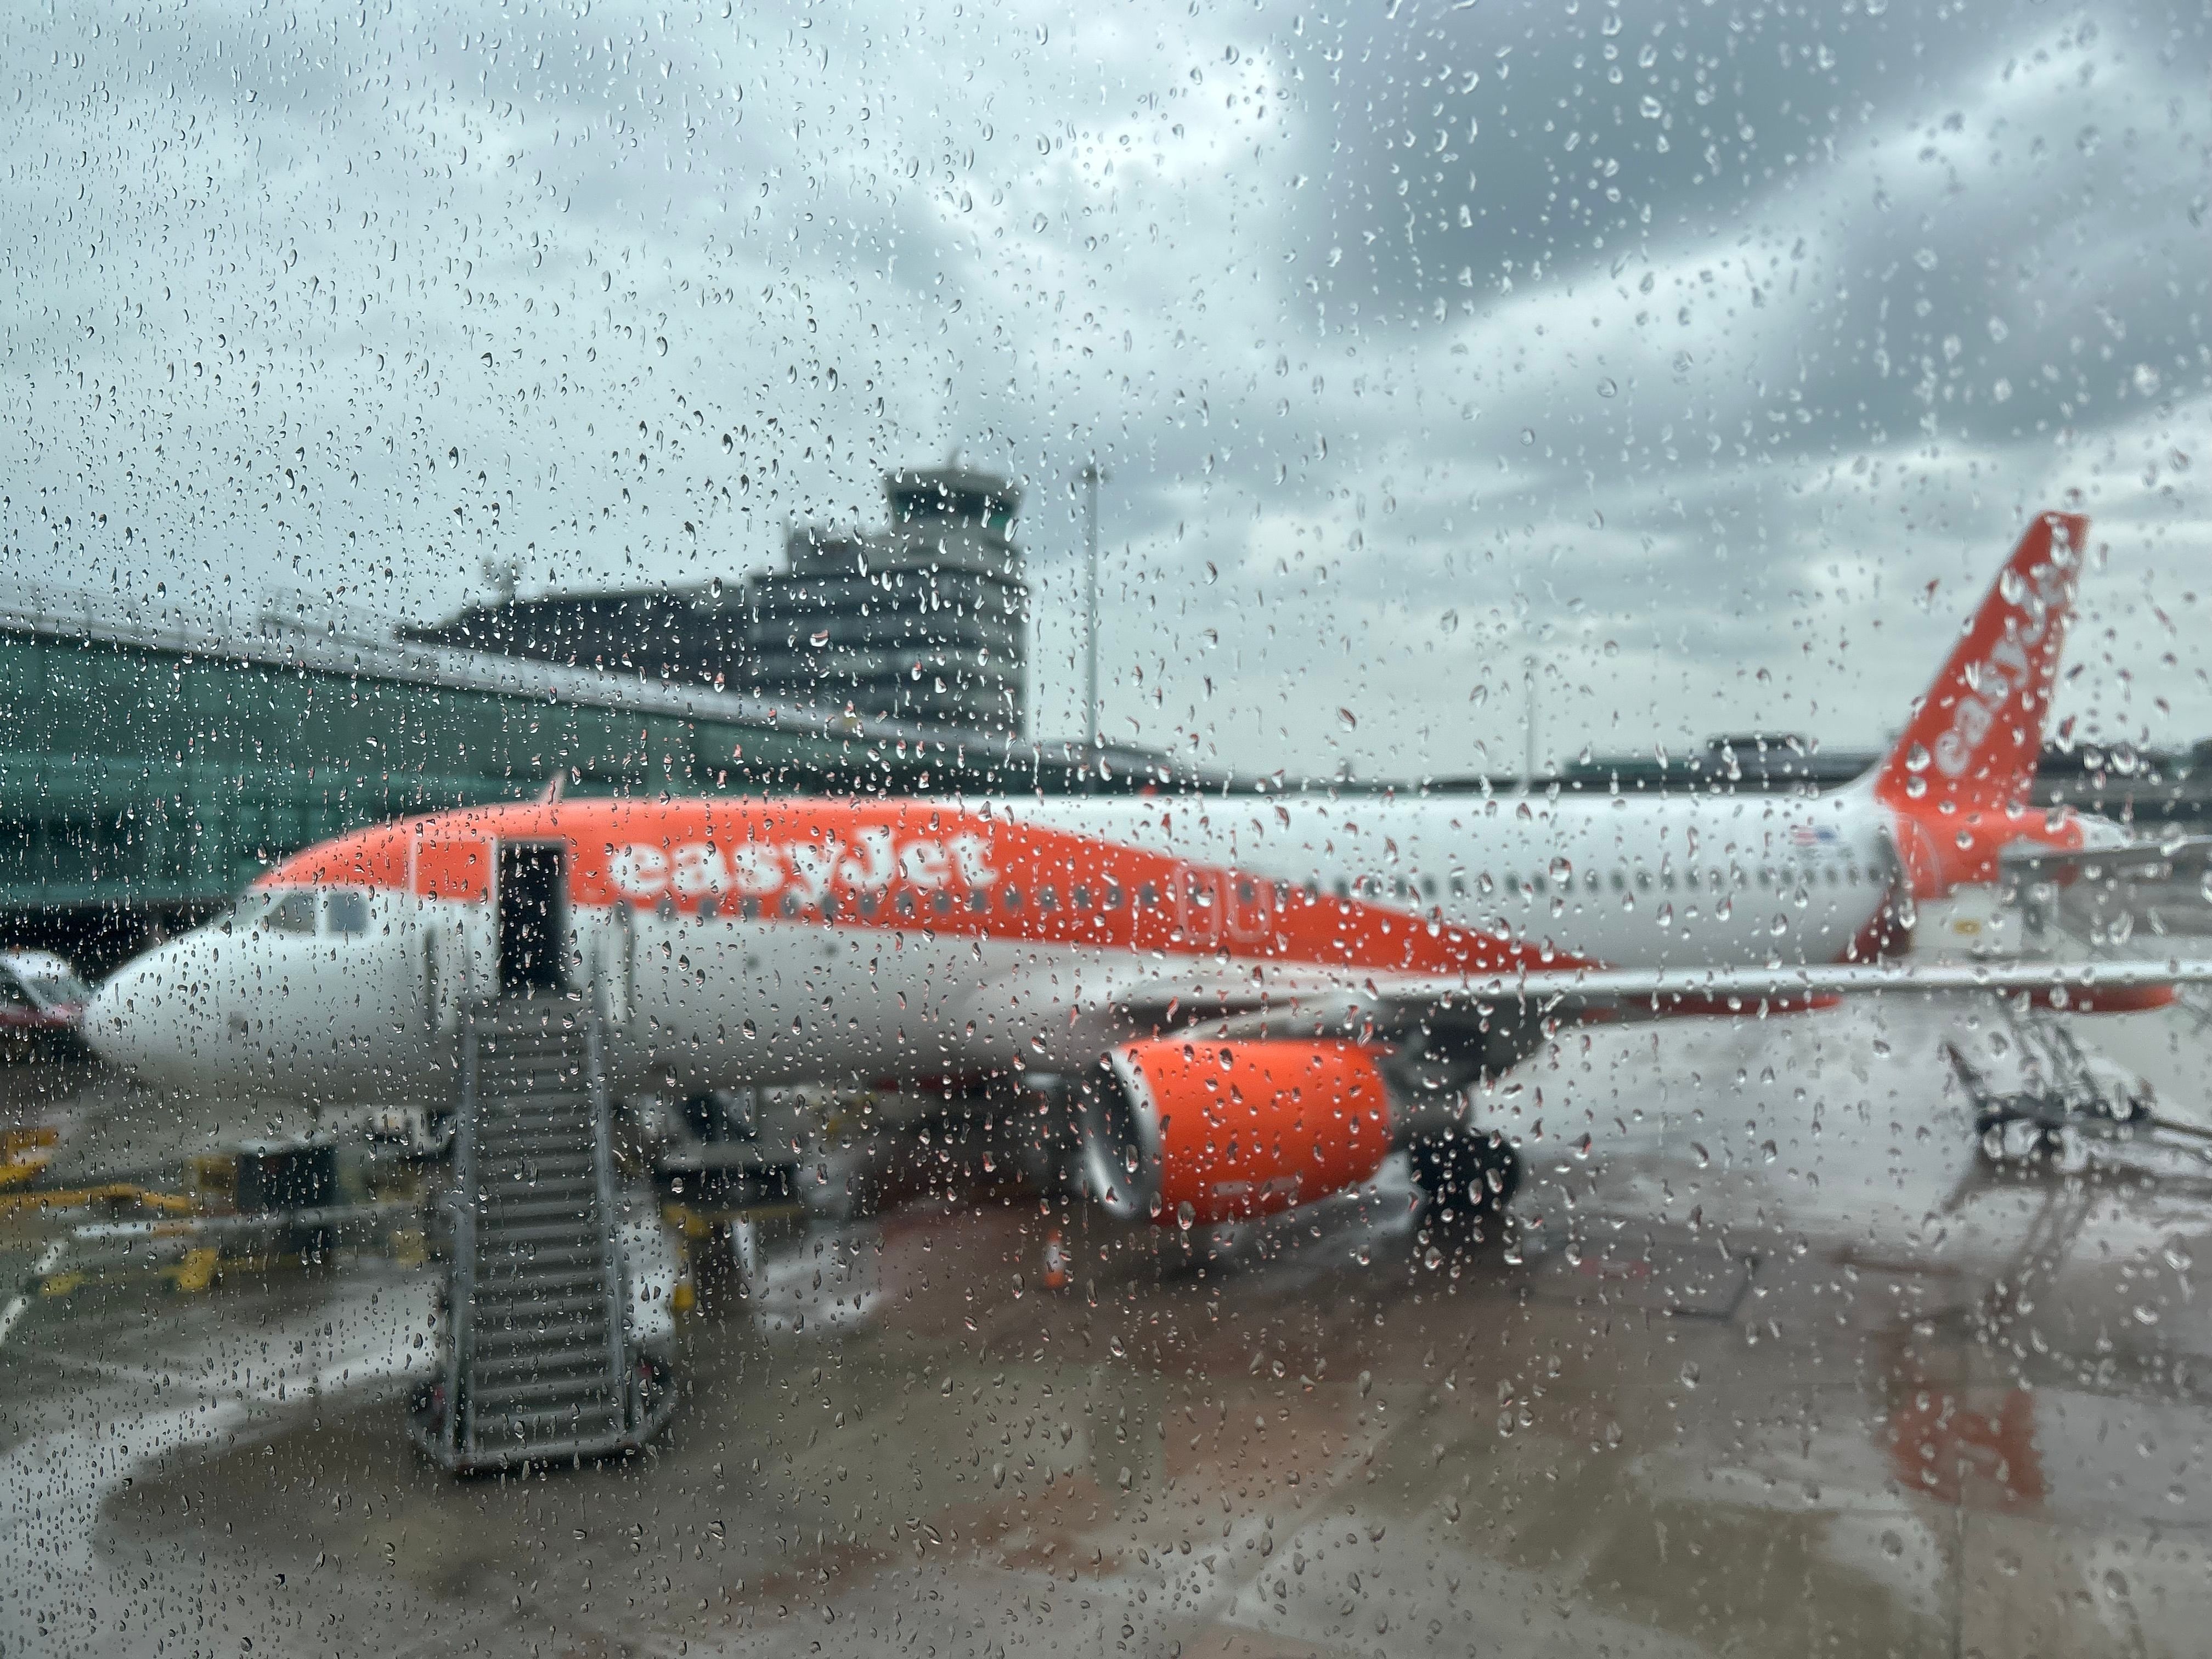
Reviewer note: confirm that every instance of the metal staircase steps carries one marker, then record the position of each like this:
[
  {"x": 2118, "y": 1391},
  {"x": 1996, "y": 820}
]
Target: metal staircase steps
[{"x": 537, "y": 1360}]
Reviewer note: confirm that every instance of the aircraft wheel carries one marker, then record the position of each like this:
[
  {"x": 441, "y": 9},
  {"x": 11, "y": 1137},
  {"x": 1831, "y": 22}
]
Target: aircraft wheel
[{"x": 1469, "y": 1178}]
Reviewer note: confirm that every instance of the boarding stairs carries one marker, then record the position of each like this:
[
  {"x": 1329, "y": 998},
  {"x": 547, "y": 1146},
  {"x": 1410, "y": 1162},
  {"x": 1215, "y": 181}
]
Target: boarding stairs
[{"x": 537, "y": 1358}]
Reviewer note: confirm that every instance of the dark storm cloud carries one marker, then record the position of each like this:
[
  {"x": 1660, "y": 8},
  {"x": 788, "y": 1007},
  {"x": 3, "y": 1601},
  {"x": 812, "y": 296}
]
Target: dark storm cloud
[{"x": 1991, "y": 221}]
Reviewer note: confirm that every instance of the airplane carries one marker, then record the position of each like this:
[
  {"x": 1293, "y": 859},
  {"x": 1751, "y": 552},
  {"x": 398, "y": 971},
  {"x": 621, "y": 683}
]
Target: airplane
[{"x": 1262, "y": 995}]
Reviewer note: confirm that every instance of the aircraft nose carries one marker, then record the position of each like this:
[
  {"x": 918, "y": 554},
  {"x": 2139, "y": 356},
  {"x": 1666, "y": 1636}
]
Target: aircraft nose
[
  {"x": 138, "y": 1019},
  {"x": 113, "y": 1027}
]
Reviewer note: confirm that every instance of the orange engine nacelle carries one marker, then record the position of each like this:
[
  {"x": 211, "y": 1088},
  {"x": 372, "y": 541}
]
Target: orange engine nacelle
[{"x": 1196, "y": 1132}]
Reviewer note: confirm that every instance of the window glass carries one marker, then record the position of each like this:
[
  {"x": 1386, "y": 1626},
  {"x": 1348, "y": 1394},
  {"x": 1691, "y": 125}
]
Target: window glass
[
  {"x": 290, "y": 913},
  {"x": 574, "y": 579},
  {"x": 346, "y": 912}
]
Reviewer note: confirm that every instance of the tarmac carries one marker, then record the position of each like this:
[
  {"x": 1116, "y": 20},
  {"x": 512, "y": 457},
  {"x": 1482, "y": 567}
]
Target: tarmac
[{"x": 1770, "y": 1362}]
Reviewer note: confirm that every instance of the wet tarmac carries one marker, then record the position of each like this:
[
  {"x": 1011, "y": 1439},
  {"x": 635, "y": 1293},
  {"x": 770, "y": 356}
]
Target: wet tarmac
[{"x": 1773, "y": 1362}]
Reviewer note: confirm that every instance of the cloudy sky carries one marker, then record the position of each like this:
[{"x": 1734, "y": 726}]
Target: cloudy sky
[{"x": 1710, "y": 355}]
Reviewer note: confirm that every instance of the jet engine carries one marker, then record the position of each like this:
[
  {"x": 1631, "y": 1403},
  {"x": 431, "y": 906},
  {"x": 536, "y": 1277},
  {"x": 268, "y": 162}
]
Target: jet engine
[{"x": 1195, "y": 1132}]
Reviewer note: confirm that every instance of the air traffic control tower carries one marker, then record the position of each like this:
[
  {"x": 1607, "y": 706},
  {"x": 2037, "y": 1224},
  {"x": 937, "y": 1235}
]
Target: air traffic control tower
[{"x": 926, "y": 621}]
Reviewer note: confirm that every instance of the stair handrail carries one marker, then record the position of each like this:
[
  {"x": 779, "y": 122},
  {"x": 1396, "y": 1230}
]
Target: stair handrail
[
  {"x": 461, "y": 1279},
  {"x": 603, "y": 1183}
]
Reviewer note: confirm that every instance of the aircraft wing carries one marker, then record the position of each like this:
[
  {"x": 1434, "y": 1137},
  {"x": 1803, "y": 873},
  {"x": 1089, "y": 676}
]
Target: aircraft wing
[
  {"x": 1311, "y": 1004},
  {"x": 1629, "y": 991},
  {"x": 2140, "y": 860}
]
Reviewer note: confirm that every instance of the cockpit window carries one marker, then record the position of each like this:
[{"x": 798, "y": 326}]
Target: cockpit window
[
  {"x": 346, "y": 912},
  {"x": 294, "y": 913}
]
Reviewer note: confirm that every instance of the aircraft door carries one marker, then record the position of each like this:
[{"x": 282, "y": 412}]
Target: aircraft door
[{"x": 537, "y": 947}]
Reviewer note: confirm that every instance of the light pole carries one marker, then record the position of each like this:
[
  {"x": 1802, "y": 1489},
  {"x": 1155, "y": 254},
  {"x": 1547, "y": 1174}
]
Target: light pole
[
  {"x": 1528, "y": 687},
  {"x": 1092, "y": 476}
]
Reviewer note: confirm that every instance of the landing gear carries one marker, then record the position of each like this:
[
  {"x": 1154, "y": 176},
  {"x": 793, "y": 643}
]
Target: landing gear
[{"x": 1470, "y": 1176}]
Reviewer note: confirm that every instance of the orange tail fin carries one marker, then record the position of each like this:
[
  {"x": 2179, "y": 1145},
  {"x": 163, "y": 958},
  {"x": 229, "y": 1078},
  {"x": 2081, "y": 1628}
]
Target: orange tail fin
[{"x": 1971, "y": 745}]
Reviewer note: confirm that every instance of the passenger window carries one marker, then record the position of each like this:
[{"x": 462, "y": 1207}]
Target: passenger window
[{"x": 345, "y": 913}]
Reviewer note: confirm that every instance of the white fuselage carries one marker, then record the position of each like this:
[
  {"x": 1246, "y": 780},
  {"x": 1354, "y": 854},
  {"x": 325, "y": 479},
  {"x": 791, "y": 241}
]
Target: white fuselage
[{"x": 749, "y": 994}]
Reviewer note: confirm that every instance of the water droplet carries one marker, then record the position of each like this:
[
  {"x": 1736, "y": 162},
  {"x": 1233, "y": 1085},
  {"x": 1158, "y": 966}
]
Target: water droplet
[
  {"x": 1650, "y": 107},
  {"x": 1348, "y": 720},
  {"x": 1689, "y": 1375},
  {"x": 1606, "y": 388}
]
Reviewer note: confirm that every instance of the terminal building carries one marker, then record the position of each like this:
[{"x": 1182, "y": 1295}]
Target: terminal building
[
  {"x": 682, "y": 635},
  {"x": 926, "y": 620}
]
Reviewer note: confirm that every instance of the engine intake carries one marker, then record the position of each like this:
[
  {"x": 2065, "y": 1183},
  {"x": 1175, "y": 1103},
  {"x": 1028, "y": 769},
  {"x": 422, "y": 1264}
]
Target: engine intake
[{"x": 1197, "y": 1131}]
